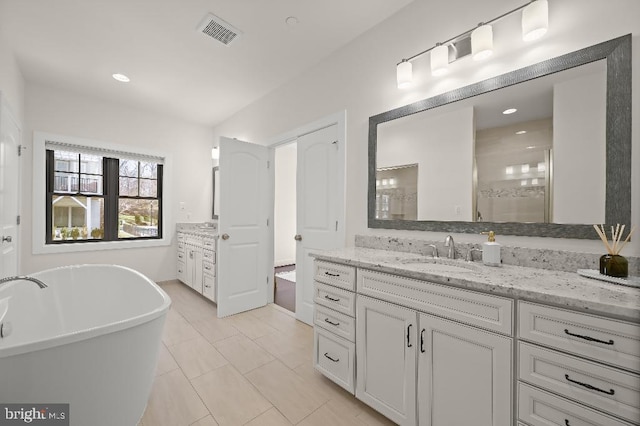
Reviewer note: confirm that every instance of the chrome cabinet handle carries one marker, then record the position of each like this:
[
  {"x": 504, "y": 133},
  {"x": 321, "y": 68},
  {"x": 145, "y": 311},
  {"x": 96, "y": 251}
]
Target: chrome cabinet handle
[
  {"x": 331, "y": 275},
  {"x": 589, "y": 339},
  {"x": 298, "y": 237},
  {"x": 326, "y": 296},
  {"x": 225, "y": 236},
  {"x": 590, "y": 387},
  {"x": 422, "y": 340},
  {"x": 408, "y": 334},
  {"x": 331, "y": 322},
  {"x": 6, "y": 239}
]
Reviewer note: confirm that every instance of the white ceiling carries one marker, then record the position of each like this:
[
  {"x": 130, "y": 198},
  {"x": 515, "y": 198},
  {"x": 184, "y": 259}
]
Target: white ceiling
[{"x": 174, "y": 69}]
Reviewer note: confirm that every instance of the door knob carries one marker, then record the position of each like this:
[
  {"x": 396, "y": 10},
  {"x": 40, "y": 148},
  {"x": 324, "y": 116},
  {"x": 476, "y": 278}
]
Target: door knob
[
  {"x": 298, "y": 237},
  {"x": 225, "y": 236},
  {"x": 7, "y": 238}
]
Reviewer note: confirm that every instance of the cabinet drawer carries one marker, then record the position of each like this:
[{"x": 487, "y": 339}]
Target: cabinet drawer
[
  {"x": 601, "y": 387},
  {"x": 334, "y": 357},
  {"x": 610, "y": 341},
  {"x": 480, "y": 310},
  {"x": 335, "y": 274},
  {"x": 209, "y": 286},
  {"x": 182, "y": 274},
  {"x": 208, "y": 268},
  {"x": 337, "y": 323},
  {"x": 335, "y": 298},
  {"x": 209, "y": 255},
  {"x": 540, "y": 408}
]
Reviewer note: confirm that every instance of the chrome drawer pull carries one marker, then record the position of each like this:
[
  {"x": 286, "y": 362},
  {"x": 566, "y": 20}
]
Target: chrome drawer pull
[
  {"x": 326, "y": 354},
  {"x": 332, "y": 275},
  {"x": 332, "y": 323},
  {"x": 326, "y": 296},
  {"x": 408, "y": 333},
  {"x": 590, "y": 387},
  {"x": 422, "y": 340},
  {"x": 566, "y": 422},
  {"x": 590, "y": 339}
]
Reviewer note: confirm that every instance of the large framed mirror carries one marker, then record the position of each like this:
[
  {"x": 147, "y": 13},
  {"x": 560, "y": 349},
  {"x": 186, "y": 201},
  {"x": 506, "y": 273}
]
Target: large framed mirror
[{"x": 459, "y": 162}]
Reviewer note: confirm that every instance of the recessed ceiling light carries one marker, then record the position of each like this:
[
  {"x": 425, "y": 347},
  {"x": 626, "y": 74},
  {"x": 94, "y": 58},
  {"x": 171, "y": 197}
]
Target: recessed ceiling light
[
  {"x": 521, "y": 132},
  {"x": 509, "y": 111},
  {"x": 121, "y": 77},
  {"x": 531, "y": 147},
  {"x": 292, "y": 21}
]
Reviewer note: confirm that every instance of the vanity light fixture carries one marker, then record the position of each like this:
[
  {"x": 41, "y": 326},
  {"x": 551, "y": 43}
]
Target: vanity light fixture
[
  {"x": 215, "y": 153},
  {"x": 477, "y": 42}
]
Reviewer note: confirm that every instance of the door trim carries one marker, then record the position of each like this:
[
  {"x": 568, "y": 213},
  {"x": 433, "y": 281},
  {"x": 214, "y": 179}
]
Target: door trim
[{"x": 340, "y": 120}]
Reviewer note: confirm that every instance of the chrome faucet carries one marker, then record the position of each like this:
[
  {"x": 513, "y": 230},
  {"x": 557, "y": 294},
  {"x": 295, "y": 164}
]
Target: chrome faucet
[
  {"x": 448, "y": 242},
  {"x": 434, "y": 253},
  {"x": 25, "y": 278}
]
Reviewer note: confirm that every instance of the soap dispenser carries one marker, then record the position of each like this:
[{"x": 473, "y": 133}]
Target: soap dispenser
[{"x": 491, "y": 250}]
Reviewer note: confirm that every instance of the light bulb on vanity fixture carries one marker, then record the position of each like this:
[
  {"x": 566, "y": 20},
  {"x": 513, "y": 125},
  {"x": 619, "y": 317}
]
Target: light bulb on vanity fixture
[
  {"x": 404, "y": 74},
  {"x": 440, "y": 60},
  {"x": 535, "y": 20},
  {"x": 482, "y": 42},
  {"x": 477, "y": 42}
]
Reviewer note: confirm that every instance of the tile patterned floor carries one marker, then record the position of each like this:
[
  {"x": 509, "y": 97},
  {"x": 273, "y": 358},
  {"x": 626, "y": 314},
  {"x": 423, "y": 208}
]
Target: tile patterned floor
[{"x": 254, "y": 368}]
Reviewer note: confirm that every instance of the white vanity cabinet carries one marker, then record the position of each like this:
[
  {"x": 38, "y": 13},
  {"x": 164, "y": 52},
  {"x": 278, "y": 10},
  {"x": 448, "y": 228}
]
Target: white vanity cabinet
[
  {"x": 196, "y": 263},
  {"x": 209, "y": 269},
  {"x": 386, "y": 358},
  {"x": 418, "y": 368},
  {"x": 577, "y": 368},
  {"x": 334, "y": 323}
]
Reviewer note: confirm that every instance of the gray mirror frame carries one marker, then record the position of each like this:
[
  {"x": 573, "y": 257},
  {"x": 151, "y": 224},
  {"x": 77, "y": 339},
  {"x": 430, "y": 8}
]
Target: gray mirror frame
[
  {"x": 213, "y": 193},
  {"x": 617, "y": 53}
]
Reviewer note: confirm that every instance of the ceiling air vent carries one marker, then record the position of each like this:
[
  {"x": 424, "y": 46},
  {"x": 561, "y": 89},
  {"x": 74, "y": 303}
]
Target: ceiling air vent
[{"x": 219, "y": 29}]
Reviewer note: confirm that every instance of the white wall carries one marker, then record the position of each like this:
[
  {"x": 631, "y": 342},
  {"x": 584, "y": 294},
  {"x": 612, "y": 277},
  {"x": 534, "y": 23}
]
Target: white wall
[
  {"x": 11, "y": 81},
  {"x": 442, "y": 146},
  {"x": 285, "y": 205},
  {"x": 361, "y": 79},
  {"x": 60, "y": 112},
  {"x": 579, "y": 135}
]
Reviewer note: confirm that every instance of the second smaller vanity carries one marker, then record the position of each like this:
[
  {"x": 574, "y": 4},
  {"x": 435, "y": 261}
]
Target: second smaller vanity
[
  {"x": 196, "y": 261},
  {"x": 438, "y": 341}
]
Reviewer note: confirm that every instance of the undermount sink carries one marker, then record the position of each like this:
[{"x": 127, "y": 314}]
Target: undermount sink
[{"x": 439, "y": 265}]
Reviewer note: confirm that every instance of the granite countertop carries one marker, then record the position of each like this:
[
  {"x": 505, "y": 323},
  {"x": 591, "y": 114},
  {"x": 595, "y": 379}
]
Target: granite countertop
[{"x": 562, "y": 289}]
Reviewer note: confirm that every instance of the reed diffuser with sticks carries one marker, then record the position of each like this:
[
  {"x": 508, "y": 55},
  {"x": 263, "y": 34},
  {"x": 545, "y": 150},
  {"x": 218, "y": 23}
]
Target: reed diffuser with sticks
[{"x": 612, "y": 263}]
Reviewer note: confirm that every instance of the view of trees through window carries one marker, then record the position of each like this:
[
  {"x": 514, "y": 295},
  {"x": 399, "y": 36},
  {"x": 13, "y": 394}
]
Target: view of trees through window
[{"x": 79, "y": 203}]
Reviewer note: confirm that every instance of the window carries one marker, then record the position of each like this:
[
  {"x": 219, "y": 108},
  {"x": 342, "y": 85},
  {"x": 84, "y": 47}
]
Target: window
[{"x": 99, "y": 195}]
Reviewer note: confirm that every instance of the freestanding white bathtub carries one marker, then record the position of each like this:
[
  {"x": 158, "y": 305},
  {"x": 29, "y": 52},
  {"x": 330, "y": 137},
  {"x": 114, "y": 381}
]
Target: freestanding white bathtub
[{"x": 90, "y": 339}]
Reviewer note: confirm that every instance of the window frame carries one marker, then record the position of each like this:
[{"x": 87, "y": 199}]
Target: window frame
[{"x": 42, "y": 239}]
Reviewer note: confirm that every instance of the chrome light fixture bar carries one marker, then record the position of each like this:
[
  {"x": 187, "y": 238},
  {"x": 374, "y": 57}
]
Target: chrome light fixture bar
[{"x": 477, "y": 41}]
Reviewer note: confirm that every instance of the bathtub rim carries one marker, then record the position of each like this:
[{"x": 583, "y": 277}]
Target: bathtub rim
[{"x": 89, "y": 333}]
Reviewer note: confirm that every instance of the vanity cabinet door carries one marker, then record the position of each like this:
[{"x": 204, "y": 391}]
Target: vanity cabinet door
[
  {"x": 386, "y": 359},
  {"x": 462, "y": 366}
]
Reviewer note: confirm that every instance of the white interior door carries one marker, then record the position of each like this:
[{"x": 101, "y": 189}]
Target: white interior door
[
  {"x": 242, "y": 226},
  {"x": 10, "y": 135},
  {"x": 320, "y": 200}
]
